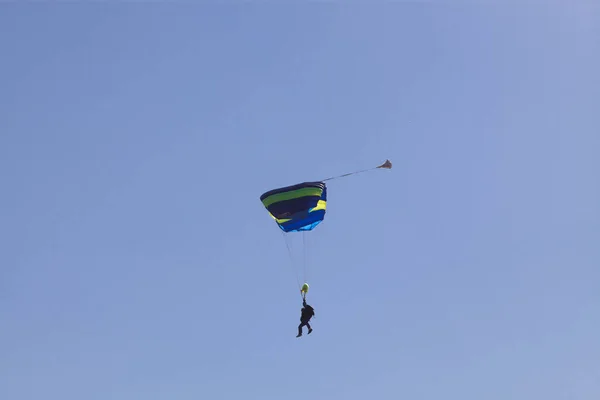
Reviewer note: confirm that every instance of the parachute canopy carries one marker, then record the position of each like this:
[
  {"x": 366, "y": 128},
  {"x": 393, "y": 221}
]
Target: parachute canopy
[{"x": 298, "y": 207}]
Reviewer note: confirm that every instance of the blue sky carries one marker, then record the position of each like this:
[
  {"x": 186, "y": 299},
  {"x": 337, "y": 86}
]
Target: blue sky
[{"x": 138, "y": 262}]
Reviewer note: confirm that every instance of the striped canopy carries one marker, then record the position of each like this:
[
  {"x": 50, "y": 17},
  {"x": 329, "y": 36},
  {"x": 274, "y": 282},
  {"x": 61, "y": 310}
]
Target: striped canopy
[{"x": 298, "y": 207}]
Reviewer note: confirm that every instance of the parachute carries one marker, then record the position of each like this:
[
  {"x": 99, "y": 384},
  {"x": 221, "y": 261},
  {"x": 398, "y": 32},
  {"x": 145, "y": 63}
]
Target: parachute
[
  {"x": 300, "y": 208},
  {"x": 297, "y": 208}
]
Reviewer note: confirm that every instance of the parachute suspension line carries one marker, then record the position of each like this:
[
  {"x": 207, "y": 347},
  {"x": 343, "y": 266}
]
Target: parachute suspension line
[
  {"x": 386, "y": 165},
  {"x": 304, "y": 249},
  {"x": 287, "y": 244}
]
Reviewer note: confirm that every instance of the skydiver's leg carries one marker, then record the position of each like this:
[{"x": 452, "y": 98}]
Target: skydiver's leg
[
  {"x": 309, "y": 328},
  {"x": 302, "y": 323},
  {"x": 300, "y": 329}
]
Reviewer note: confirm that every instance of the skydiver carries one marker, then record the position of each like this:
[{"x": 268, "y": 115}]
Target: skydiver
[{"x": 307, "y": 312}]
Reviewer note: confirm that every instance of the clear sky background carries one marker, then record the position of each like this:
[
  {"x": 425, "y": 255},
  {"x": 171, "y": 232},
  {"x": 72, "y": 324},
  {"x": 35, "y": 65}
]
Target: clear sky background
[{"x": 137, "y": 261}]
